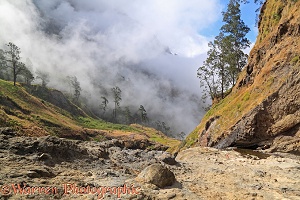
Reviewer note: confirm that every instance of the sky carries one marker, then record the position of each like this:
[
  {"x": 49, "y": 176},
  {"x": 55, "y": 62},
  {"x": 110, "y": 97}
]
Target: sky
[
  {"x": 248, "y": 16},
  {"x": 151, "y": 49}
]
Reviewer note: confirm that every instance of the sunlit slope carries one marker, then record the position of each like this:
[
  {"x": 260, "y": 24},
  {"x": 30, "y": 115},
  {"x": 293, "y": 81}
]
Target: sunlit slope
[
  {"x": 31, "y": 116},
  {"x": 264, "y": 104}
]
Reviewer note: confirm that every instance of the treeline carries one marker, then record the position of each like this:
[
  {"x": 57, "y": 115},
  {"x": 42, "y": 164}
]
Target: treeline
[
  {"x": 112, "y": 111},
  {"x": 13, "y": 69}
]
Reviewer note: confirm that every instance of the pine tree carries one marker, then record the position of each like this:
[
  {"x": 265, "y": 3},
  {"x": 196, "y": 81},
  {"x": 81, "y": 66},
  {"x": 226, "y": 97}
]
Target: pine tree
[
  {"x": 104, "y": 104},
  {"x": 128, "y": 116},
  {"x": 226, "y": 58},
  {"x": 235, "y": 41},
  {"x": 143, "y": 114},
  {"x": 117, "y": 99},
  {"x": 28, "y": 76},
  {"x": 77, "y": 89},
  {"x": 13, "y": 57},
  {"x": 44, "y": 76},
  {"x": 207, "y": 73},
  {"x": 2, "y": 64}
]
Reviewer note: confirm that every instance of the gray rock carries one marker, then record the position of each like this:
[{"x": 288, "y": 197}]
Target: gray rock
[
  {"x": 40, "y": 172},
  {"x": 168, "y": 159},
  {"x": 158, "y": 175}
]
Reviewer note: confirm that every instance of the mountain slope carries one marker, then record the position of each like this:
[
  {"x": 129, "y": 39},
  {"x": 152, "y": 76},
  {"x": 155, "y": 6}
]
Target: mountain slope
[
  {"x": 46, "y": 111},
  {"x": 263, "y": 109}
]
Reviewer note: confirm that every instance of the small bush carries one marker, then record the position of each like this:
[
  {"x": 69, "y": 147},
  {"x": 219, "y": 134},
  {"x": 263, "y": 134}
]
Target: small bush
[
  {"x": 295, "y": 60},
  {"x": 246, "y": 96}
]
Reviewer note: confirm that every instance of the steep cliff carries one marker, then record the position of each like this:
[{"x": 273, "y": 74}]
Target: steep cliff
[{"x": 263, "y": 109}]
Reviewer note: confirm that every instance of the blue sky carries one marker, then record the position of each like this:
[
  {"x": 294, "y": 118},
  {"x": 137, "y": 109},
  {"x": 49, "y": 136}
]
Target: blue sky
[{"x": 248, "y": 16}]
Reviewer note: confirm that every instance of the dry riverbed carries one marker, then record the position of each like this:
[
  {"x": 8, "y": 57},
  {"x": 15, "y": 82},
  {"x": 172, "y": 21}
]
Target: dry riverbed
[{"x": 54, "y": 168}]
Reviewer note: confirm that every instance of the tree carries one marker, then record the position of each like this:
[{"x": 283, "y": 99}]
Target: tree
[
  {"x": 181, "y": 135},
  {"x": 143, "y": 114},
  {"x": 2, "y": 58},
  {"x": 13, "y": 57},
  {"x": 226, "y": 58},
  {"x": 127, "y": 114},
  {"x": 28, "y": 76},
  {"x": 166, "y": 129},
  {"x": 76, "y": 87},
  {"x": 235, "y": 31},
  {"x": 117, "y": 99},
  {"x": 104, "y": 104},
  {"x": 44, "y": 76},
  {"x": 162, "y": 126},
  {"x": 2, "y": 63},
  {"x": 212, "y": 74}
]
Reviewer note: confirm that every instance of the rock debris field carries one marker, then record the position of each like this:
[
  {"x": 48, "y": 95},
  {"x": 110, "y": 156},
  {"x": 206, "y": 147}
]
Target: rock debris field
[{"x": 55, "y": 168}]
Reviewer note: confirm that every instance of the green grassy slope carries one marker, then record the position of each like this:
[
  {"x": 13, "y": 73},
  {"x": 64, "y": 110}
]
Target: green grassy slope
[
  {"x": 30, "y": 115},
  {"x": 273, "y": 61}
]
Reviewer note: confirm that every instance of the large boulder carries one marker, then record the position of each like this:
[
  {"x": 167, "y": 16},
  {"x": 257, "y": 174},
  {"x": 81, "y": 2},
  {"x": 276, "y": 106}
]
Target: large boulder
[{"x": 158, "y": 175}]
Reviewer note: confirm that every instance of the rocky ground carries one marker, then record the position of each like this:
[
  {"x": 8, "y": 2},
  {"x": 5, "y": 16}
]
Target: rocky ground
[{"x": 54, "y": 168}]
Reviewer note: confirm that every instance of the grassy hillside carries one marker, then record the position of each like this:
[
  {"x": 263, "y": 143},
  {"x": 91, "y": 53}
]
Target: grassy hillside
[
  {"x": 29, "y": 112},
  {"x": 274, "y": 58}
]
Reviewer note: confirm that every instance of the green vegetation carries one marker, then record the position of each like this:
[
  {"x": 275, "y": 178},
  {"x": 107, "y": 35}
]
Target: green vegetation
[
  {"x": 32, "y": 116},
  {"x": 117, "y": 99},
  {"x": 156, "y": 136},
  {"x": 246, "y": 96},
  {"x": 226, "y": 58},
  {"x": 277, "y": 14},
  {"x": 243, "y": 99},
  {"x": 50, "y": 110},
  {"x": 89, "y": 122},
  {"x": 232, "y": 108},
  {"x": 191, "y": 139},
  {"x": 75, "y": 84},
  {"x": 271, "y": 16},
  {"x": 100, "y": 138},
  {"x": 295, "y": 60},
  {"x": 164, "y": 140}
]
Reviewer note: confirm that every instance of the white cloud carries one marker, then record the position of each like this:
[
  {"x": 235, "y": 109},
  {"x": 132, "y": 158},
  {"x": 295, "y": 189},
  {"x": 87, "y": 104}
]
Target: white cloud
[{"x": 100, "y": 40}]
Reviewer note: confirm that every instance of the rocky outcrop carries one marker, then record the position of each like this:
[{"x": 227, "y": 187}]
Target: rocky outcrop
[
  {"x": 51, "y": 161},
  {"x": 234, "y": 174},
  {"x": 263, "y": 109}
]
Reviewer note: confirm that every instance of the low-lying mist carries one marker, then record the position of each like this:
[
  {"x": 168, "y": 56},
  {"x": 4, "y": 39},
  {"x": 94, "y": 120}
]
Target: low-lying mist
[{"x": 150, "y": 49}]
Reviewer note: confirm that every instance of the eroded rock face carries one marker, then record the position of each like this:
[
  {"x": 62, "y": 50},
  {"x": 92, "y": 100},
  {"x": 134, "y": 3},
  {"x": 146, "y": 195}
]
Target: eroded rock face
[{"x": 272, "y": 75}]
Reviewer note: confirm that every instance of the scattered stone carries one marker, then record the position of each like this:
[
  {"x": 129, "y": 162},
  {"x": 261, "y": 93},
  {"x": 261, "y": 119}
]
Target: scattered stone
[
  {"x": 7, "y": 131},
  {"x": 40, "y": 172},
  {"x": 44, "y": 156}
]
